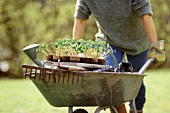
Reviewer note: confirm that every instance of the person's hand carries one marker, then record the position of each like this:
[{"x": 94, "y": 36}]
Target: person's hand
[{"x": 156, "y": 51}]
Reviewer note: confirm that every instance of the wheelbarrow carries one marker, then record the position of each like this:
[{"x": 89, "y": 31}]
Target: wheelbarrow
[{"x": 67, "y": 87}]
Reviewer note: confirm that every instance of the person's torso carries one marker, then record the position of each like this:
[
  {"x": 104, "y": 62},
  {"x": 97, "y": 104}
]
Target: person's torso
[{"x": 120, "y": 24}]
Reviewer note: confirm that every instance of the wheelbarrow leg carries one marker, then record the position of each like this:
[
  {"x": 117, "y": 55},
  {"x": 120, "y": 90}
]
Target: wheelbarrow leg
[
  {"x": 70, "y": 109},
  {"x": 103, "y": 108}
]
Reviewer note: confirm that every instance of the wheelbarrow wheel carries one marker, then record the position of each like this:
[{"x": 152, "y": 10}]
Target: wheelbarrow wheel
[
  {"x": 113, "y": 109},
  {"x": 80, "y": 111}
]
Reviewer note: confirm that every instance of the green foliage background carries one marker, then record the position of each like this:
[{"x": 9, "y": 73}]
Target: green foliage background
[{"x": 43, "y": 21}]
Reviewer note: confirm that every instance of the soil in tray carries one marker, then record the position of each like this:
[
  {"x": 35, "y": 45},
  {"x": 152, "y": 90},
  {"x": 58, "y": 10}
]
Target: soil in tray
[
  {"x": 102, "y": 61},
  {"x": 65, "y": 58},
  {"x": 94, "y": 60},
  {"x": 74, "y": 59},
  {"x": 85, "y": 60},
  {"x": 49, "y": 57},
  {"x": 55, "y": 57}
]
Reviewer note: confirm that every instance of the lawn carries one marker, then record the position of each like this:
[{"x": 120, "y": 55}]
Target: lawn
[{"x": 21, "y": 96}]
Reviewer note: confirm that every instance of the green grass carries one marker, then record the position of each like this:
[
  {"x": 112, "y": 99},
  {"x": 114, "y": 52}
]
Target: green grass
[
  {"x": 21, "y": 96},
  {"x": 158, "y": 93}
]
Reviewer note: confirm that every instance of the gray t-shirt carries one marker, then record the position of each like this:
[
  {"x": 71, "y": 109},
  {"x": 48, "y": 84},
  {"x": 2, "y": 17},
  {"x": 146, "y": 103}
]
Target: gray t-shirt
[{"x": 119, "y": 21}]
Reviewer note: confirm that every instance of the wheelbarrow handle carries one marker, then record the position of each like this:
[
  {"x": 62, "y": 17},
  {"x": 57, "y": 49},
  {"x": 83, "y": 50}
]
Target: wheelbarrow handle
[{"x": 146, "y": 65}]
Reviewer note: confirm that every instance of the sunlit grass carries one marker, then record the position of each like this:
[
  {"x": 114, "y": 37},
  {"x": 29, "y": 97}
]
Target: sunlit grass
[
  {"x": 158, "y": 98},
  {"x": 21, "y": 96}
]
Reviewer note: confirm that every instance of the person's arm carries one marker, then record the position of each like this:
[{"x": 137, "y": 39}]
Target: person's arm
[
  {"x": 78, "y": 28},
  {"x": 150, "y": 28},
  {"x": 156, "y": 47}
]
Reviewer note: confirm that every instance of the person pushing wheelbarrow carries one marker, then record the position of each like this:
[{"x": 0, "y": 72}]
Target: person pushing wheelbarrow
[{"x": 128, "y": 27}]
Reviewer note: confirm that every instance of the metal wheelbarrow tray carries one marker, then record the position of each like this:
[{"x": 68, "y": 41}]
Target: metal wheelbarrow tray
[{"x": 63, "y": 88}]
